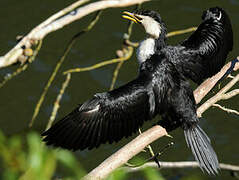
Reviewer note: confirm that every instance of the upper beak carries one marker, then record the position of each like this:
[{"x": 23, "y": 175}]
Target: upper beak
[{"x": 131, "y": 16}]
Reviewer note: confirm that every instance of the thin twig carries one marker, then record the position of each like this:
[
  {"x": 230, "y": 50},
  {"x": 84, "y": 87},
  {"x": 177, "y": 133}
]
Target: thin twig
[
  {"x": 23, "y": 67},
  {"x": 67, "y": 50},
  {"x": 151, "y": 158},
  {"x": 191, "y": 29},
  {"x": 104, "y": 63},
  {"x": 115, "y": 74},
  {"x": 182, "y": 164},
  {"x": 226, "y": 109},
  {"x": 230, "y": 76},
  {"x": 57, "y": 102}
]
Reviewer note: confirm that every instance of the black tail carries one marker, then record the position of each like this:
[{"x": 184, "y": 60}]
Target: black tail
[{"x": 200, "y": 144}]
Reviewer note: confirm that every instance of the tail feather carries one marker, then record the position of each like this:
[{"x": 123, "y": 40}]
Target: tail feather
[{"x": 200, "y": 144}]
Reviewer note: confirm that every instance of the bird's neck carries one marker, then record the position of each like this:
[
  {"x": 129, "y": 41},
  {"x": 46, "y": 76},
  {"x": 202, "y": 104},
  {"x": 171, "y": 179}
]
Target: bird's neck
[
  {"x": 160, "y": 42},
  {"x": 146, "y": 49}
]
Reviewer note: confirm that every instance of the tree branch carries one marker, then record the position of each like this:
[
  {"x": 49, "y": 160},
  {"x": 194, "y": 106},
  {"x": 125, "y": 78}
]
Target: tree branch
[
  {"x": 58, "y": 21},
  {"x": 226, "y": 109},
  {"x": 207, "y": 85},
  {"x": 182, "y": 164},
  {"x": 127, "y": 152},
  {"x": 219, "y": 96}
]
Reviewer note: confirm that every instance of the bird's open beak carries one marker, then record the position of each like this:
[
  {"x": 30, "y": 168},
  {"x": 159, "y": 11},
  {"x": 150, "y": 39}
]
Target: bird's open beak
[{"x": 131, "y": 17}]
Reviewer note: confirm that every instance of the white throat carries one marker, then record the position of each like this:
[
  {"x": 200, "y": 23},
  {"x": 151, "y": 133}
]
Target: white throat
[{"x": 145, "y": 50}]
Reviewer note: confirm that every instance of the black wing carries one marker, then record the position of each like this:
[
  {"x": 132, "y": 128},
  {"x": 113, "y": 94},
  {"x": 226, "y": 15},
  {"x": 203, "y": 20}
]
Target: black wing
[
  {"x": 107, "y": 117},
  {"x": 206, "y": 50}
]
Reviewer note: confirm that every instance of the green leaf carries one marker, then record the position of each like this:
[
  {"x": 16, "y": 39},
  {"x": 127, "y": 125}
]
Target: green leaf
[
  {"x": 152, "y": 174},
  {"x": 69, "y": 160},
  {"x": 118, "y": 174}
]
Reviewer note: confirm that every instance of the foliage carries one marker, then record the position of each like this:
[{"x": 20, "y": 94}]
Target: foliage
[
  {"x": 27, "y": 158},
  {"x": 36, "y": 161}
]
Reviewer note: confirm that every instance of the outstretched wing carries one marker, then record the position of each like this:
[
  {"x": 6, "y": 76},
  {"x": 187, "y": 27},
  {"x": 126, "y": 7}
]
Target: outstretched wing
[
  {"x": 107, "y": 117},
  {"x": 207, "y": 48}
]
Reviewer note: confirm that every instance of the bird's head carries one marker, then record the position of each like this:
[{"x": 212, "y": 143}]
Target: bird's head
[
  {"x": 216, "y": 13},
  {"x": 150, "y": 20}
]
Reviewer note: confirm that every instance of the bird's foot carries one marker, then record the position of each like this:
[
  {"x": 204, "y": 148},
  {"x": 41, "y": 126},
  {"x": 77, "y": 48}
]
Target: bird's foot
[
  {"x": 230, "y": 69},
  {"x": 155, "y": 157}
]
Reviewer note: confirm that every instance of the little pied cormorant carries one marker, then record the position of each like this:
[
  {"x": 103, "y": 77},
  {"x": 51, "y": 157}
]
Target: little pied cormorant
[{"x": 159, "y": 88}]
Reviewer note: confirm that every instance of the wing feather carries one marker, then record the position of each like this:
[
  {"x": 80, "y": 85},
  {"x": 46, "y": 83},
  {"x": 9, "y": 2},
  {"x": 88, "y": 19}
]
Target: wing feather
[
  {"x": 206, "y": 50},
  {"x": 107, "y": 117}
]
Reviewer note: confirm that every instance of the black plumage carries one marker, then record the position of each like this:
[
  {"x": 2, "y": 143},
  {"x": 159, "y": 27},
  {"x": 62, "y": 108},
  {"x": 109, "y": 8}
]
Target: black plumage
[
  {"x": 160, "y": 88},
  {"x": 204, "y": 53}
]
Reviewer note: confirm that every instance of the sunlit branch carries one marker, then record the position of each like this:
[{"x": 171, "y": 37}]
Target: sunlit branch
[
  {"x": 226, "y": 109},
  {"x": 219, "y": 96},
  {"x": 58, "y": 21},
  {"x": 127, "y": 152}
]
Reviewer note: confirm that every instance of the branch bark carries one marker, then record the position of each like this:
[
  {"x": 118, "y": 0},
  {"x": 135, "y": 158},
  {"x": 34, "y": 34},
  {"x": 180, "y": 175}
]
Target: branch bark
[
  {"x": 58, "y": 21},
  {"x": 140, "y": 142},
  {"x": 127, "y": 152},
  {"x": 221, "y": 94}
]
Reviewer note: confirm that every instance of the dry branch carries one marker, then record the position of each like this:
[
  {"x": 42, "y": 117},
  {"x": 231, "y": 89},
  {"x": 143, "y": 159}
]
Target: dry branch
[
  {"x": 226, "y": 109},
  {"x": 127, "y": 152},
  {"x": 220, "y": 95},
  {"x": 58, "y": 21}
]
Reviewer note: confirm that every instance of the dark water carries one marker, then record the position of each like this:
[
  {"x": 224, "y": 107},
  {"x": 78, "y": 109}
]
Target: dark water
[{"x": 20, "y": 95}]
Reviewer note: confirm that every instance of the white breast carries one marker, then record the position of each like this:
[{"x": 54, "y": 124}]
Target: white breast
[{"x": 145, "y": 49}]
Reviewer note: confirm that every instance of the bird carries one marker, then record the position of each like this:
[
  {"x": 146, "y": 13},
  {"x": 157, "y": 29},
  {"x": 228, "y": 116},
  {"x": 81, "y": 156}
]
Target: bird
[
  {"x": 160, "y": 88},
  {"x": 109, "y": 116},
  {"x": 198, "y": 57}
]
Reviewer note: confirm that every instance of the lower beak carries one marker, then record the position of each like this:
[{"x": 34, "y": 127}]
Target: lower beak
[{"x": 131, "y": 17}]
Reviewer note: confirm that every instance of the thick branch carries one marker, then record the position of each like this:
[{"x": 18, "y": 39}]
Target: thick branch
[
  {"x": 127, "y": 152},
  {"x": 52, "y": 24}
]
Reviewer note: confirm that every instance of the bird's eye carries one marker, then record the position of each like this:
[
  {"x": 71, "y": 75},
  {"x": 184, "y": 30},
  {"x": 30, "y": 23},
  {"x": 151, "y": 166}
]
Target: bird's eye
[{"x": 219, "y": 16}]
